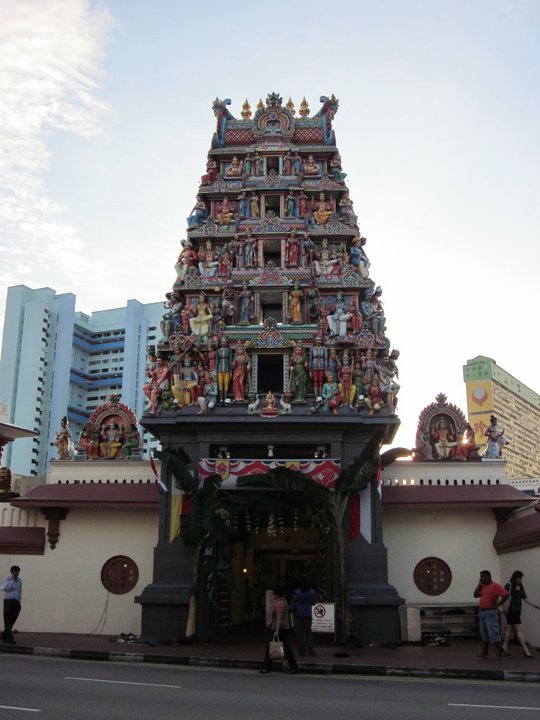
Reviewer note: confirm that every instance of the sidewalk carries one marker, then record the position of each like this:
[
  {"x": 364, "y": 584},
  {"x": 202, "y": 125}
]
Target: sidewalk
[{"x": 457, "y": 660}]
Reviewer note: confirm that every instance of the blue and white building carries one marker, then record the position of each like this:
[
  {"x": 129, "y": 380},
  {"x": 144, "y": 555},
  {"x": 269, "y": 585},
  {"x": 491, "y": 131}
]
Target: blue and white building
[{"x": 56, "y": 361}]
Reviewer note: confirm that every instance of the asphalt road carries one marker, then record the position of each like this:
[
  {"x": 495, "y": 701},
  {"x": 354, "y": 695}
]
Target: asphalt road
[{"x": 77, "y": 690}]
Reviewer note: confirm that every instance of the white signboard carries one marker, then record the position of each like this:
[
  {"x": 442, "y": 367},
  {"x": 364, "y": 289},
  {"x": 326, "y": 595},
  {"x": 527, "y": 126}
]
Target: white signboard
[{"x": 323, "y": 617}]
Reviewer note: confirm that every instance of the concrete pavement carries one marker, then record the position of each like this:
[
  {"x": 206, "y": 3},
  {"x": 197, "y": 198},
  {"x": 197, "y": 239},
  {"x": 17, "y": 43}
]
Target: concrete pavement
[{"x": 458, "y": 659}]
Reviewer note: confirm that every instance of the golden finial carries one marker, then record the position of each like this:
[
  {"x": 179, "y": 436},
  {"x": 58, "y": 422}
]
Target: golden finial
[
  {"x": 246, "y": 110},
  {"x": 260, "y": 105},
  {"x": 290, "y": 107},
  {"x": 304, "y": 108}
]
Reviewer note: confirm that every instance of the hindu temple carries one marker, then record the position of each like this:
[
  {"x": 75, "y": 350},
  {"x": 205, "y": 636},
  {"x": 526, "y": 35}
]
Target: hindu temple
[{"x": 272, "y": 389}]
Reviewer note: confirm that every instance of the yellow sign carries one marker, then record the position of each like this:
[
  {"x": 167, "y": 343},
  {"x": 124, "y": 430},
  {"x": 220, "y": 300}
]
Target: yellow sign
[{"x": 479, "y": 397}]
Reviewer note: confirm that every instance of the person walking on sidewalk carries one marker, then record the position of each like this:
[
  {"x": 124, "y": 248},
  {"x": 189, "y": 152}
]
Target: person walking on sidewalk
[
  {"x": 491, "y": 595},
  {"x": 304, "y": 600},
  {"x": 513, "y": 613},
  {"x": 281, "y": 630},
  {"x": 12, "y": 588}
]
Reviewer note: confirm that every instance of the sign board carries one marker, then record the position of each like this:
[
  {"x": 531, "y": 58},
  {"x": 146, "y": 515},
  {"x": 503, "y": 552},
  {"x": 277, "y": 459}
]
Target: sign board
[{"x": 323, "y": 617}]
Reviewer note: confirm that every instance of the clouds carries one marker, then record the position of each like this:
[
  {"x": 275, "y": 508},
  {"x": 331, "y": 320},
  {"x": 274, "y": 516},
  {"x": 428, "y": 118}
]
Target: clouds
[{"x": 50, "y": 55}]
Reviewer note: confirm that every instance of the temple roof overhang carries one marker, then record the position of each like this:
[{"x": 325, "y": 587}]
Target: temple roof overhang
[
  {"x": 490, "y": 497},
  {"x": 92, "y": 495},
  {"x": 9, "y": 432}
]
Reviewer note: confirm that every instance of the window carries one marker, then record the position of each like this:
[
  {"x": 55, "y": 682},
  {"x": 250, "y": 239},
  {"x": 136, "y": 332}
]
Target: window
[
  {"x": 432, "y": 576},
  {"x": 119, "y": 575}
]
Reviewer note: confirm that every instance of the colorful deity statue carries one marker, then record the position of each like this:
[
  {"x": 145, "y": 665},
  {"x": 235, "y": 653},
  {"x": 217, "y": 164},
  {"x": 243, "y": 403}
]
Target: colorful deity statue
[
  {"x": 240, "y": 371},
  {"x": 295, "y": 305},
  {"x": 198, "y": 214},
  {"x": 199, "y": 323},
  {"x": 298, "y": 366},
  {"x": 225, "y": 213},
  {"x": 318, "y": 364},
  {"x": 324, "y": 210},
  {"x": 235, "y": 168},
  {"x": 208, "y": 264},
  {"x": 310, "y": 167},
  {"x": 62, "y": 441},
  {"x": 224, "y": 368},
  {"x": 158, "y": 382},
  {"x": 245, "y": 309},
  {"x": 292, "y": 251}
]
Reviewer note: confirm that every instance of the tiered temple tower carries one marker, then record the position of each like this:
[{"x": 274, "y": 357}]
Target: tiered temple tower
[{"x": 273, "y": 352}]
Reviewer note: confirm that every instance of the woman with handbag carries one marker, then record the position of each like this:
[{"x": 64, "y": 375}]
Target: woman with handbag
[
  {"x": 513, "y": 613},
  {"x": 280, "y": 628}
]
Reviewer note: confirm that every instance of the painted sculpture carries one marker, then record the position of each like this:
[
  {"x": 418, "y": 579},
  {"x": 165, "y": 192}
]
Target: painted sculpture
[{"x": 272, "y": 273}]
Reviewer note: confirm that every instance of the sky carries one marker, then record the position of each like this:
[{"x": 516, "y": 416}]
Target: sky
[{"x": 106, "y": 119}]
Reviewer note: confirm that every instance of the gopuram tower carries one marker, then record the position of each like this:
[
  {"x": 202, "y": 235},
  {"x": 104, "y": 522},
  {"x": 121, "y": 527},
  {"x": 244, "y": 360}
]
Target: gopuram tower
[{"x": 273, "y": 380}]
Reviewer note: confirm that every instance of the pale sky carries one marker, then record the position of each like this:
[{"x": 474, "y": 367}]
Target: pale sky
[{"x": 105, "y": 122}]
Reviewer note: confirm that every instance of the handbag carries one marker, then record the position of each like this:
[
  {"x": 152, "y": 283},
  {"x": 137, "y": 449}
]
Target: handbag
[{"x": 275, "y": 650}]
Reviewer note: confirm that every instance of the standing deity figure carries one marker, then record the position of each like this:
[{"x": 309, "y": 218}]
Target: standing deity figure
[
  {"x": 290, "y": 205},
  {"x": 324, "y": 210},
  {"x": 62, "y": 441},
  {"x": 307, "y": 250},
  {"x": 297, "y": 163},
  {"x": 242, "y": 205},
  {"x": 235, "y": 168},
  {"x": 186, "y": 260},
  {"x": 240, "y": 368},
  {"x": 360, "y": 390},
  {"x": 250, "y": 255},
  {"x": 355, "y": 317},
  {"x": 202, "y": 315},
  {"x": 334, "y": 169},
  {"x": 224, "y": 265},
  {"x": 337, "y": 321},
  {"x": 346, "y": 210},
  {"x": 198, "y": 214},
  {"x": 288, "y": 163},
  {"x": 346, "y": 385},
  {"x": 389, "y": 387},
  {"x": 312, "y": 303},
  {"x": 257, "y": 164},
  {"x": 295, "y": 305},
  {"x": 466, "y": 444},
  {"x": 235, "y": 249},
  {"x": 369, "y": 366},
  {"x": 359, "y": 259},
  {"x": 224, "y": 368},
  {"x": 246, "y": 305},
  {"x": 298, "y": 375},
  {"x": 310, "y": 167},
  {"x": 371, "y": 310},
  {"x": 158, "y": 381},
  {"x": 292, "y": 252},
  {"x": 211, "y": 172},
  {"x": 227, "y": 304},
  {"x": 318, "y": 365},
  {"x": 302, "y": 204},
  {"x": 495, "y": 439},
  {"x": 254, "y": 205},
  {"x": 248, "y": 164}
]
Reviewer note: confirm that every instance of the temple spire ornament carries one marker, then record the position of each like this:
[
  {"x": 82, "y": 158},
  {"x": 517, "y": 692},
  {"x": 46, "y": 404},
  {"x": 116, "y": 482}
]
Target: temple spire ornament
[
  {"x": 304, "y": 108},
  {"x": 290, "y": 107},
  {"x": 246, "y": 110}
]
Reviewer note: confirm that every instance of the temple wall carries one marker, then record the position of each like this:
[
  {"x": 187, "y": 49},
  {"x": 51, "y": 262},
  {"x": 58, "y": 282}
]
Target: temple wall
[
  {"x": 462, "y": 538},
  {"x": 62, "y": 590}
]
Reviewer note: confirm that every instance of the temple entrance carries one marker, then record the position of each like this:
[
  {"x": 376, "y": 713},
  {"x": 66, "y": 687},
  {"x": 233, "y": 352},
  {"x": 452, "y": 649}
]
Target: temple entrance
[{"x": 270, "y": 373}]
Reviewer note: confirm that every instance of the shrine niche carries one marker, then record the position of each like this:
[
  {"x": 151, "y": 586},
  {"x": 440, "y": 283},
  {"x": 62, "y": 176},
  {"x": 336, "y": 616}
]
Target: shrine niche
[
  {"x": 110, "y": 434},
  {"x": 444, "y": 434}
]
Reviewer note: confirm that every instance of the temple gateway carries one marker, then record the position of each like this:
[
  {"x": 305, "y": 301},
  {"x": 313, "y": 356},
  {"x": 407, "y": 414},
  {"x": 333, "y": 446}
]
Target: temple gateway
[{"x": 272, "y": 389}]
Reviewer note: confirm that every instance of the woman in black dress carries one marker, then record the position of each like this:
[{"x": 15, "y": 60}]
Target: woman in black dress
[{"x": 513, "y": 613}]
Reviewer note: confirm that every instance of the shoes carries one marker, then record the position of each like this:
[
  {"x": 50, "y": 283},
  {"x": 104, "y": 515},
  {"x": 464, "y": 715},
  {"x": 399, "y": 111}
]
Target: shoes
[
  {"x": 503, "y": 652},
  {"x": 293, "y": 671},
  {"x": 264, "y": 671},
  {"x": 529, "y": 656}
]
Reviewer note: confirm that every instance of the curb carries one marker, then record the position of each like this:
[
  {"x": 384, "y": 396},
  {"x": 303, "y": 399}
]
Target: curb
[{"x": 311, "y": 669}]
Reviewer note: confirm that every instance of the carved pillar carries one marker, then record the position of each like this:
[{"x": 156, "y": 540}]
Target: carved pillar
[{"x": 54, "y": 515}]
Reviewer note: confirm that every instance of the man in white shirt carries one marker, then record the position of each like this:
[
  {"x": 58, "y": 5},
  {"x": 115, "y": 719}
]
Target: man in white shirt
[{"x": 12, "y": 588}]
